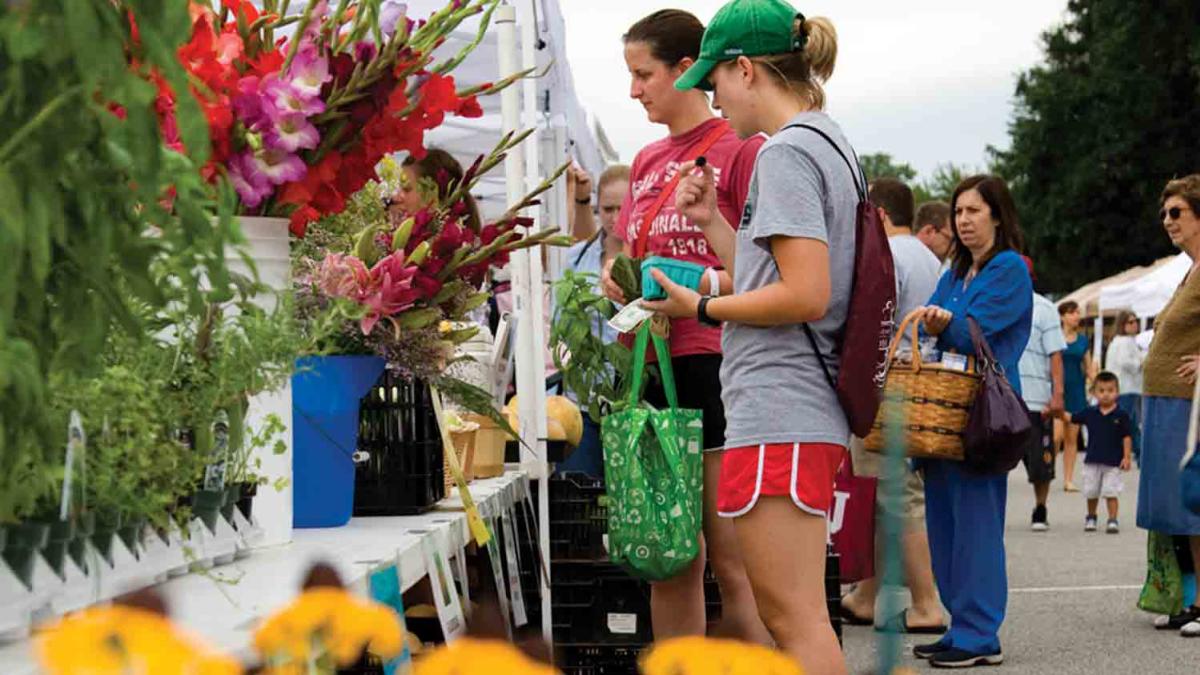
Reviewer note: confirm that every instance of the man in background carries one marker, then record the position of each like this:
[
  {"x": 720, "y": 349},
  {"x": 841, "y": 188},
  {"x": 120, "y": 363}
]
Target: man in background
[
  {"x": 917, "y": 273},
  {"x": 1042, "y": 389},
  {"x": 932, "y": 227}
]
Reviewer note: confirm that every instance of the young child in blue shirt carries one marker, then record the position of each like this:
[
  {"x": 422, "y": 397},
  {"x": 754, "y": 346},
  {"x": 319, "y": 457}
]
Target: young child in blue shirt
[{"x": 1109, "y": 450}]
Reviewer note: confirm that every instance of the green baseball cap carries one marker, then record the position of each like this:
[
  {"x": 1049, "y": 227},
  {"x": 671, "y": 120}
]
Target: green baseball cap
[{"x": 743, "y": 28}]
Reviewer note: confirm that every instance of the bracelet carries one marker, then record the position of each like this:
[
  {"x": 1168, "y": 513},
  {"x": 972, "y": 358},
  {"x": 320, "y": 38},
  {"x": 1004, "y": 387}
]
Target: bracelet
[
  {"x": 584, "y": 202},
  {"x": 714, "y": 282},
  {"x": 702, "y": 313}
]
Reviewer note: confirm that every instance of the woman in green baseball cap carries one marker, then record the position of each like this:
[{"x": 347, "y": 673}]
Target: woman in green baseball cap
[{"x": 792, "y": 258}]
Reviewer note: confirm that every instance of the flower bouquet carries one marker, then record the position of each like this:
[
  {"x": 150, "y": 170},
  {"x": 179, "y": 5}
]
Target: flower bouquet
[
  {"x": 413, "y": 280},
  {"x": 299, "y": 122}
]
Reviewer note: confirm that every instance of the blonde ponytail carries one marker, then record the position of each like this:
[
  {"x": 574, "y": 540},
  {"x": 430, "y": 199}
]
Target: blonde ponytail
[
  {"x": 821, "y": 49},
  {"x": 804, "y": 71}
]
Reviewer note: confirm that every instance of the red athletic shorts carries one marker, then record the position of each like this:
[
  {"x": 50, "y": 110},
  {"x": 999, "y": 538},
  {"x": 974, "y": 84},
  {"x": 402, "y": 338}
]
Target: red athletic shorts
[{"x": 802, "y": 471}]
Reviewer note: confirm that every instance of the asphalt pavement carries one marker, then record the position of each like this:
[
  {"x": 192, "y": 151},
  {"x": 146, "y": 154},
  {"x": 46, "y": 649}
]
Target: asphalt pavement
[{"x": 1072, "y": 598}]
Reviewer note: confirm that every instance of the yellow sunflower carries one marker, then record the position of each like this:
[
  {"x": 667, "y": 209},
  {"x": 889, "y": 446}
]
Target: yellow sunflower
[
  {"x": 328, "y": 621},
  {"x": 469, "y": 656},
  {"x": 707, "y": 656},
  {"x": 120, "y": 640}
]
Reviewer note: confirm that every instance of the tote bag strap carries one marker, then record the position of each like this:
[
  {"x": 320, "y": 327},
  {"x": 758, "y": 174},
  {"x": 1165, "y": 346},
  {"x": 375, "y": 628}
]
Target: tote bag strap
[{"x": 664, "y": 366}]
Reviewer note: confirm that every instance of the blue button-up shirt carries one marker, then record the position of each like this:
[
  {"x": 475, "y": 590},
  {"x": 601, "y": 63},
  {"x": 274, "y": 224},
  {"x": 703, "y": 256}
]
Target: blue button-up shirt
[{"x": 1000, "y": 299}]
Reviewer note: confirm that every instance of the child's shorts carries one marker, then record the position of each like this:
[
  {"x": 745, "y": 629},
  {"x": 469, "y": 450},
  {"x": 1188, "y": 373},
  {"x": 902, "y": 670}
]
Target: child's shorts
[
  {"x": 803, "y": 471},
  {"x": 1102, "y": 480}
]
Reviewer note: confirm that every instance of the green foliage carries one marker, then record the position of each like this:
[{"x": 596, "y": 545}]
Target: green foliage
[
  {"x": 882, "y": 165},
  {"x": 592, "y": 370},
  {"x": 84, "y": 214},
  {"x": 1100, "y": 126},
  {"x": 940, "y": 186}
]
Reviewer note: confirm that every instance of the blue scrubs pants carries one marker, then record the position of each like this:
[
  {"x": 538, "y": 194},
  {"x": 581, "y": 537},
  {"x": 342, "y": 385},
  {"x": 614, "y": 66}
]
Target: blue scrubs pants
[{"x": 964, "y": 514}]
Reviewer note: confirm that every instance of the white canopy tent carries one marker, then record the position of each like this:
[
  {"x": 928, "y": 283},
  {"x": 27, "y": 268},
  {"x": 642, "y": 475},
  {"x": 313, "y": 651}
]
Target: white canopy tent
[{"x": 1144, "y": 296}]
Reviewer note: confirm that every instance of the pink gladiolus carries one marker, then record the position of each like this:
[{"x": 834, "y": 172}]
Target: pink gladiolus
[
  {"x": 279, "y": 167},
  {"x": 285, "y": 98},
  {"x": 251, "y": 185},
  {"x": 292, "y": 132},
  {"x": 248, "y": 105},
  {"x": 309, "y": 71},
  {"x": 391, "y": 13}
]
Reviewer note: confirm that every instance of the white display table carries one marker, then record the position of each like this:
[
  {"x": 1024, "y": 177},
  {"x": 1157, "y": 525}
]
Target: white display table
[{"x": 225, "y": 604}]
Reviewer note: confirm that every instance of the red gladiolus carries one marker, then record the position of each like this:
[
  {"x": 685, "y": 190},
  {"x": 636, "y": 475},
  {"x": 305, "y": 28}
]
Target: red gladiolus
[
  {"x": 300, "y": 218},
  {"x": 469, "y": 108}
]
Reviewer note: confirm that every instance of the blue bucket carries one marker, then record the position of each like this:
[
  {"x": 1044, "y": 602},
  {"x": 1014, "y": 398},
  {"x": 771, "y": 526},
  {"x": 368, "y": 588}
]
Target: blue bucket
[{"x": 325, "y": 395}]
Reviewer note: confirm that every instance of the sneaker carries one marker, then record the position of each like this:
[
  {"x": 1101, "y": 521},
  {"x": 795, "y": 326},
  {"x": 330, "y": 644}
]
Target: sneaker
[
  {"x": 958, "y": 658},
  {"x": 1178, "y": 621},
  {"x": 1089, "y": 525},
  {"x": 930, "y": 650},
  {"x": 1191, "y": 630},
  {"x": 1039, "y": 523},
  {"x": 1113, "y": 526}
]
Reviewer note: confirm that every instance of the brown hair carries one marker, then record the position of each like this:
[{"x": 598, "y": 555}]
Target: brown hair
[
  {"x": 806, "y": 70},
  {"x": 895, "y": 198},
  {"x": 617, "y": 173},
  {"x": 936, "y": 214},
  {"x": 1123, "y": 317},
  {"x": 996, "y": 195},
  {"x": 1066, "y": 307},
  {"x": 438, "y": 161},
  {"x": 1187, "y": 187},
  {"x": 671, "y": 34}
]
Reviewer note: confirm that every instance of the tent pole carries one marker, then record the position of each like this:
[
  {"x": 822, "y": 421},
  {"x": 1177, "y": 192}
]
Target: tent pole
[{"x": 1098, "y": 338}]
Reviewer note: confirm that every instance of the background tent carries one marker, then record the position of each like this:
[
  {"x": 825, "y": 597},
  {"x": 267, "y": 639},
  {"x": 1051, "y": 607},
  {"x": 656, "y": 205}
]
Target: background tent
[
  {"x": 1145, "y": 296},
  {"x": 1088, "y": 296}
]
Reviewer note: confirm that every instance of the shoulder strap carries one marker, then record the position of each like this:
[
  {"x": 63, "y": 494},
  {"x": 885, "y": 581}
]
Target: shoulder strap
[
  {"x": 639, "y": 246},
  {"x": 587, "y": 247},
  {"x": 862, "y": 195},
  {"x": 854, "y": 175}
]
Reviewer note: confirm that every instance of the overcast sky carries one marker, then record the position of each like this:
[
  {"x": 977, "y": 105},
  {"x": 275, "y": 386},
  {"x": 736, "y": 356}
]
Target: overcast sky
[{"x": 927, "y": 81}]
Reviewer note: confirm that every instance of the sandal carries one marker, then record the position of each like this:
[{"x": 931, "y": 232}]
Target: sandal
[
  {"x": 899, "y": 624},
  {"x": 849, "y": 617},
  {"x": 1070, "y": 487}
]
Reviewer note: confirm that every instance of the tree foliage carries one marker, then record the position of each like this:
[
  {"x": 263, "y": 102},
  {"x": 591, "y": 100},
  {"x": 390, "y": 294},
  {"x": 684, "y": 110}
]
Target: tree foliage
[
  {"x": 1100, "y": 126},
  {"x": 938, "y": 186}
]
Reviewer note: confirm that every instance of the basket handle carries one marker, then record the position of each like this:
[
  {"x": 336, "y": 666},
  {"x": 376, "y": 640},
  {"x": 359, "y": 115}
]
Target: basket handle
[{"x": 914, "y": 318}]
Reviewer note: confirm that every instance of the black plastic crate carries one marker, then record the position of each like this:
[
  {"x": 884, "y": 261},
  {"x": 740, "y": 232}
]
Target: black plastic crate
[
  {"x": 599, "y": 603},
  {"x": 833, "y": 590},
  {"x": 578, "y": 518},
  {"x": 398, "y": 429},
  {"x": 590, "y": 659}
]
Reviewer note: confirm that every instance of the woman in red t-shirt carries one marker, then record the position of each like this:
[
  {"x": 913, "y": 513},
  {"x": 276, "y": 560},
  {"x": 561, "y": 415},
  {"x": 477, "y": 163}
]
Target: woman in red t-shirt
[{"x": 658, "y": 49}]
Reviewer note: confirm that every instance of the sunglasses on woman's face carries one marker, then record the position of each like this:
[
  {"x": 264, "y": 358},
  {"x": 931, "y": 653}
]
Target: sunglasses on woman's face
[{"x": 1174, "y": 212}]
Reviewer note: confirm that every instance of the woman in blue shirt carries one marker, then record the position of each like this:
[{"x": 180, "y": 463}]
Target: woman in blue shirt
[{"x": 965, "y": 511}]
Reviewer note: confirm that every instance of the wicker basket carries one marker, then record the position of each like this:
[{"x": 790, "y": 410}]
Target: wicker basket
[{"x": 936, "y": 402}]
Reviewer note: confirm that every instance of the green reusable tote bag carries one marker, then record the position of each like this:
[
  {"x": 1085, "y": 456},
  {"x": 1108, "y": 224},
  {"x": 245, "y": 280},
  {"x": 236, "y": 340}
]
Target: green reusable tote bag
[
  {"x": 654, "y": 469},
  {"x": 1163, "y": 591}
]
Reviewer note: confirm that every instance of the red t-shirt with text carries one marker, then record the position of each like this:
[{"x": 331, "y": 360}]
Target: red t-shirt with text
[{"x": 672, "y": 235}]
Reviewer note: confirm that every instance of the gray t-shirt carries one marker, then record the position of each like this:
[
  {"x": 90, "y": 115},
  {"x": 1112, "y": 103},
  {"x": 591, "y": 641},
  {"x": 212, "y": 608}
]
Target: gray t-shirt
[
  {"x": 917, "y": 274},
  {"x": 772, "y": 384}
]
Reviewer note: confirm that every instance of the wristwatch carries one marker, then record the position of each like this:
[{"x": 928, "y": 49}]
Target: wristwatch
[{"x": 702, "y": 313}]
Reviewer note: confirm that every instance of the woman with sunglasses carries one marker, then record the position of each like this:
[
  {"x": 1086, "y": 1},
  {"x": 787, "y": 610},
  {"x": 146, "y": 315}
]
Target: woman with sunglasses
[
  {"x": 1124, "y": 359},
  {"x": 792, "y": 258},
  {"x": 1170, "y": 373}
]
